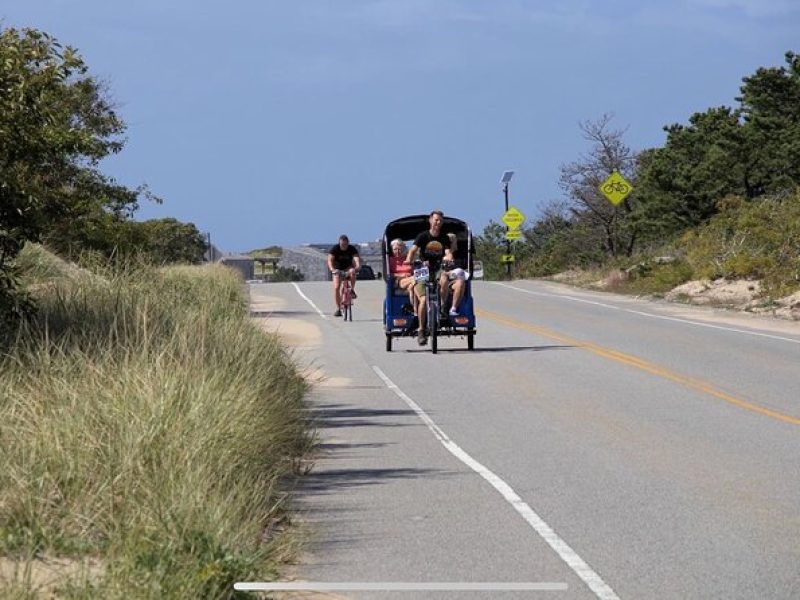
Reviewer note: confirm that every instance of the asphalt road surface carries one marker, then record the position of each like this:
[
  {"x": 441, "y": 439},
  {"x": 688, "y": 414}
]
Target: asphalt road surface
[{"x": 591, "y": 445}]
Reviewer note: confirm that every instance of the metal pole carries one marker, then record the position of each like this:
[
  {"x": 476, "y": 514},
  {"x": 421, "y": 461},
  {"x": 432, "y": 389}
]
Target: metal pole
[{"x": 508, "y": 242}]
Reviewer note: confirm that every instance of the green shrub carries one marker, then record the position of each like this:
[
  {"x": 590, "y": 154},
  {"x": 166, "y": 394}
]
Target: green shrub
[
  {"x": 759, "y": 239},
  {"x": 660, "y": 278}
]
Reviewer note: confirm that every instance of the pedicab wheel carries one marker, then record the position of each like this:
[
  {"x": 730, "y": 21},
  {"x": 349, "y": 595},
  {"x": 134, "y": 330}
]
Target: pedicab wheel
[
  {"x": 471, "y": 340},
  {"x": 434, "y": 340},
  {"x": 388, "y": 342}
]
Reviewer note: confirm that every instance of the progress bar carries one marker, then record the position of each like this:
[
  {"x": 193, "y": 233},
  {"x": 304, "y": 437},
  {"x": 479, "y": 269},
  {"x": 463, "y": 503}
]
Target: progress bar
[{"x": 396, "y": 586}]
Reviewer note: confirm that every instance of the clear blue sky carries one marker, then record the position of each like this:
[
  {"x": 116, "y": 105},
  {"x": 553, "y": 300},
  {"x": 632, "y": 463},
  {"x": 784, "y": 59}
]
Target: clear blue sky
[{"x": 291, "y": 122}]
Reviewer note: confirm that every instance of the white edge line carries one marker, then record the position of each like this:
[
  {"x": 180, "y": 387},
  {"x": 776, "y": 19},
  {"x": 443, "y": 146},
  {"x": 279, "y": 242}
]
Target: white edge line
[
  {"x": 712, "y": 326},
  {"x": 652, "y": 316},
  {"x": 567, "y": 554},
  {"x": 564, "y": 296},
  {"x": 307, "y": 299},
  {"x": 258, "y": 586}
]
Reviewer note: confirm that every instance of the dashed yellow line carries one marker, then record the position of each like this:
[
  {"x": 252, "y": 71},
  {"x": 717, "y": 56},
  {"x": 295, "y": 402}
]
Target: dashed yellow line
[{"x": 639, "y": 363}]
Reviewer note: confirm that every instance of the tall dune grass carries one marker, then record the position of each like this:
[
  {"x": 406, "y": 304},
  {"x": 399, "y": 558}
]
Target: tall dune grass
[{"x": 145, "y": 423}]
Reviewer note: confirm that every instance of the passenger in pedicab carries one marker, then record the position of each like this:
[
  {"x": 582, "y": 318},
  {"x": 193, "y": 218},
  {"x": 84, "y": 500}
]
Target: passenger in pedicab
[
  {"x": 402, "y": 272},
  {"x": 448, "y": 242}
]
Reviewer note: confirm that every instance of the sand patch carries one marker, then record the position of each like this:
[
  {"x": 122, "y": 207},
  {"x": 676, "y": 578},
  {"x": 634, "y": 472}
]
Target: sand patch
[
  {"x": 717, "y": 292},
  {"x": 293, "y": 332},
  {"x": 740, "y": 295},
  {"x": 267, "y": 304},
  {"x": 46, "y": 574},
  {"x": 271, "y": 314},
  {"x": 318, "y": 378}
]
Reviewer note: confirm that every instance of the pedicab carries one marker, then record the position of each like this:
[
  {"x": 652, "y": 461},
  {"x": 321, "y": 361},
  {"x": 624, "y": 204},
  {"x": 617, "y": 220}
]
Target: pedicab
[{"x": 399, "y": 320}]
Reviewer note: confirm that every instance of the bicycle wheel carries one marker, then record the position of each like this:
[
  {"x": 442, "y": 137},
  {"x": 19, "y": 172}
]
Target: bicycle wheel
[
  {"x": 433, "y": 322},
  {"x": 350, "y": 302},
  {"x": 344, "y": 300}
]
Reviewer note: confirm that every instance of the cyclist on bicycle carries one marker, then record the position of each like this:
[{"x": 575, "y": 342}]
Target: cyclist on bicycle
[
  {"x": 343, "y": 257},
  {"x": 448, "y": 242}
]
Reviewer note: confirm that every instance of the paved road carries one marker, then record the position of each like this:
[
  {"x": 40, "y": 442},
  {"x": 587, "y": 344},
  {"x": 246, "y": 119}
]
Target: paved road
[{"x": 619, "y": 447}]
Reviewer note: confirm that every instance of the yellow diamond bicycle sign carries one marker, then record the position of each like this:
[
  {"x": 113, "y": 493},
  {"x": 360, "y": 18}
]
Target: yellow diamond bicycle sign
[
  {"x": 616, "y": 188},
  {"x": 513, "y": 218}
]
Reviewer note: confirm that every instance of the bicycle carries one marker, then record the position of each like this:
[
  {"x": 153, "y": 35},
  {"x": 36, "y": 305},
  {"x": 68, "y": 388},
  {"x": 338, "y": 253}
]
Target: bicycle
[
  {"x": 345, "y": 294},
  {"x": 615, "y": 186},
  {"x": 422, "y": 273}
]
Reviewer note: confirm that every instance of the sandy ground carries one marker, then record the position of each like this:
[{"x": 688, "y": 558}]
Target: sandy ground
[
  {"x": 268, "y": 313},
  {"x": 739, "y": 295},
  {"x": 43, "y": 575}
]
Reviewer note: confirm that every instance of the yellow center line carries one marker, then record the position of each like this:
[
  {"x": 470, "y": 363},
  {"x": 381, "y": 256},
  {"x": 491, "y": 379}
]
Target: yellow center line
[{"x": 633, "y": 361}]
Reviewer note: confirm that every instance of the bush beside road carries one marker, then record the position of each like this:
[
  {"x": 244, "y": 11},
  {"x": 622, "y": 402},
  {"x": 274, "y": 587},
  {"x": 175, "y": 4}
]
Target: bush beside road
[{"x": 147, "y": 432}]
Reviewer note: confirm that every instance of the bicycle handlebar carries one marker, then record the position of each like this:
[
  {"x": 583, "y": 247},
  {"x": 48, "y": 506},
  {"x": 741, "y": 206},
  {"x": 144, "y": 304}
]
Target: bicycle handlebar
[{"x": 445, "y": 264}]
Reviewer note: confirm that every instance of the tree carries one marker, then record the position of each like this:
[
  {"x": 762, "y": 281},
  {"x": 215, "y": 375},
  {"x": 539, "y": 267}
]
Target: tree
[
  {"x": 770, "y": 101},
  {"x": 170, "y": 241},
  {"x": 554, "y": 243},
  {"x": 747, "y": 151},
  {"x": 489, "y": 246},
  {"x": 55, "y": 127},
  {"x": 287, "y": 274},
  {"x": 681, "y": 183},
  {"x": 581, "y": 181},
  {"x": 553, "y": 220}
]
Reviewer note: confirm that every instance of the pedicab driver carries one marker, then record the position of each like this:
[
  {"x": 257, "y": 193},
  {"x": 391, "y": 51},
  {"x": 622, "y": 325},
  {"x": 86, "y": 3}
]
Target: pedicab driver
[
  {"x": 343, "y": 257},
  {"x": 448, "y": 242}
]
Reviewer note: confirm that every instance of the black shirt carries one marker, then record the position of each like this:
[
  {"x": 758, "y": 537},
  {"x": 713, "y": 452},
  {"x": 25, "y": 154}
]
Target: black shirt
[
  {"x": 343, "y": 259},
  {"x": 425, "y": 238}
]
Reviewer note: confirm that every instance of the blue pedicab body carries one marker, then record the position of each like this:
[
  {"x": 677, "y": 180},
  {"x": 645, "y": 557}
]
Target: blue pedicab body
[{"x": 398, "y": 317}]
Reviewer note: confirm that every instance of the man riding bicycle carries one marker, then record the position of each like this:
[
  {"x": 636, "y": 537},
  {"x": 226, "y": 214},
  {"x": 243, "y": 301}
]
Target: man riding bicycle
[
  {"x": 343, "y": 257},
  {"x": 448, "y": 242}
]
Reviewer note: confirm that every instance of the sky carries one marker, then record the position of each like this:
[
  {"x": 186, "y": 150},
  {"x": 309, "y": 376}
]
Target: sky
[{"x": 286, "y": 123}]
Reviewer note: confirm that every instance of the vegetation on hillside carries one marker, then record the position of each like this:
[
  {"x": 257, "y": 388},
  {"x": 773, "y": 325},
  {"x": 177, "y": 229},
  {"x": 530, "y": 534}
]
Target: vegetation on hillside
[
  {"x": 720, "y": 198},
  {"x": 146, "y": 429},
  {"x": 268, "y": 251},
  {"x": 758, "y": 239}
]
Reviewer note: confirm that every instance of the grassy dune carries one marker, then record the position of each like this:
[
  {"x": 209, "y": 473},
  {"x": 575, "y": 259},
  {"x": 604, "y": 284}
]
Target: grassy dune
[{"x": 146, "y": 433}]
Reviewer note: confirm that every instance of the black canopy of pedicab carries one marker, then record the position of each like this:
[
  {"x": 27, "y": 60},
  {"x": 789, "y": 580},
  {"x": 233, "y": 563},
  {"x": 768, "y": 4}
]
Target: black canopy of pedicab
[{"x": 408, "y": 228}]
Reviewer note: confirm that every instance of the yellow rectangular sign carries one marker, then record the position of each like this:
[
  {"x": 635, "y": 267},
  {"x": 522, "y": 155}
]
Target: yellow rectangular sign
[{"x": 507, "y": 258}]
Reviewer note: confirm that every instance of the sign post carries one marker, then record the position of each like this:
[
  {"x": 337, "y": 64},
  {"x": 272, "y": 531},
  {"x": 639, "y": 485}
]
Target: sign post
[
  {"x": 513, "y": 218},
  {"x": 507, "y": 175}
]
